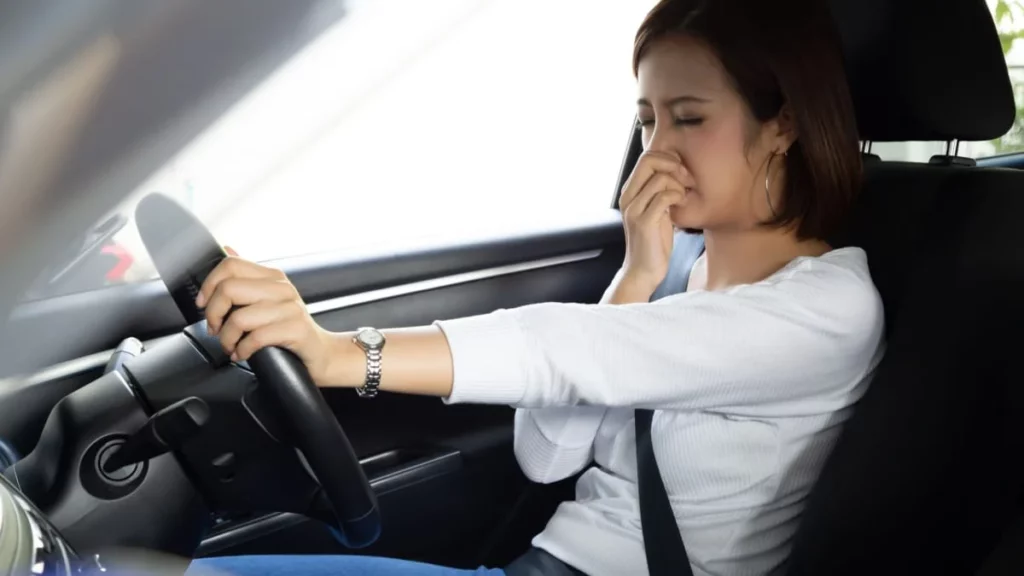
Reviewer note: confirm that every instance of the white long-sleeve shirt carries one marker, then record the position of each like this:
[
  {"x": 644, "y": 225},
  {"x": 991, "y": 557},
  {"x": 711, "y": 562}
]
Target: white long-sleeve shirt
[{"x": 750, "y": 386}]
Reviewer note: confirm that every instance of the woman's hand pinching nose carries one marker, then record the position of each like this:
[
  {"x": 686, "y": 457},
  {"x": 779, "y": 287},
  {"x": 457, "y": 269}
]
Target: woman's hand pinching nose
[{"x": 651, "y": 190}]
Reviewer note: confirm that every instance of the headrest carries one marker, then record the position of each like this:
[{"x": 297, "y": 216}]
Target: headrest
[{"x": 925, "y": 69}]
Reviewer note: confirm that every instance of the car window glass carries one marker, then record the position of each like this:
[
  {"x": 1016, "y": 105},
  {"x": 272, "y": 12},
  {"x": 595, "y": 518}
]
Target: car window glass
[{"x": 412, "y": 122}]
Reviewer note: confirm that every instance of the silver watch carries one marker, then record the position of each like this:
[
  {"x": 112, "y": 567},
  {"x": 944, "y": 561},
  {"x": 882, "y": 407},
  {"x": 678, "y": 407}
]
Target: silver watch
[{"x": 372, "y": 342}]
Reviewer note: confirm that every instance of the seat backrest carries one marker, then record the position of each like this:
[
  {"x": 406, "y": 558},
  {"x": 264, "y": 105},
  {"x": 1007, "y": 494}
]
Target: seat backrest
[{"x": 929, "y": 471}]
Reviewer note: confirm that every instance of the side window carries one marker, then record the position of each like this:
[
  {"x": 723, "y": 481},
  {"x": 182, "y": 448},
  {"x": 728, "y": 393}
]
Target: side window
[
  {"x": 1009, "y": 19},
  {"x": 412, "y": 122}
]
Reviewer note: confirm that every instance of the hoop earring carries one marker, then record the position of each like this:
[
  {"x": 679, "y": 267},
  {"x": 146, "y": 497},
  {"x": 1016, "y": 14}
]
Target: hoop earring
[{"x": 768, "y": 182}]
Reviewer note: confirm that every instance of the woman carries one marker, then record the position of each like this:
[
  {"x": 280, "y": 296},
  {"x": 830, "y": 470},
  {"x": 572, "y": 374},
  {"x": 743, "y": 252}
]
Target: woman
[{"x": 749, "y": 136}]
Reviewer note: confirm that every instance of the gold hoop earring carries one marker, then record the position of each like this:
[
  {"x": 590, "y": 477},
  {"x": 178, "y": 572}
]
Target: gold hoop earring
[{"x": 768, "y": 182}]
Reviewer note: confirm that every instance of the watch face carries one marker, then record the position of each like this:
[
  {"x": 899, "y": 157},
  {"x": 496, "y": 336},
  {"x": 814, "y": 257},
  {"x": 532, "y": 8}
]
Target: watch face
[{"x": 371, "y": 338}]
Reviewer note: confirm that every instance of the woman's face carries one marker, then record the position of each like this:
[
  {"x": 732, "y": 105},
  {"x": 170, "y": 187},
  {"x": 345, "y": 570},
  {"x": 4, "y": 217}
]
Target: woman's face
[{"x": 689, "y": 109}]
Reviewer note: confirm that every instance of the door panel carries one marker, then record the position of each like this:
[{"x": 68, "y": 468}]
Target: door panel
[
  {"x": 582, "y": 280},
  {"x": 449, "y": 488},
  {"x": 445, "y": 475}
]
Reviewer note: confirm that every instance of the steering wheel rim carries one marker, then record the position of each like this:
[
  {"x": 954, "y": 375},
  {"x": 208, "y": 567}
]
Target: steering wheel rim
[{"x": 184, "y": 252}]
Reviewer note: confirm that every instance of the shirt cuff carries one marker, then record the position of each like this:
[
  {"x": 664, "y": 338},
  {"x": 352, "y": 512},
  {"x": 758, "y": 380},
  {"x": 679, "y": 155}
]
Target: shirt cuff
[{"x": 489, "y": 356}]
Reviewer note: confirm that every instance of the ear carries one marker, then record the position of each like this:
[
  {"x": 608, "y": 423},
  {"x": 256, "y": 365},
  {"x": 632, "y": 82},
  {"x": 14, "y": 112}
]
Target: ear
[{"x": 783, "y": 130}]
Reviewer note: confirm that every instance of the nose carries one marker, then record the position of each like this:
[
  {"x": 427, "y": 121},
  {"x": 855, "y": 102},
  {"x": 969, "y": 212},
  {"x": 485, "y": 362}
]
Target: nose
[
  {"x": 663, "y": 139},
  {"x": 660, "y": 139}
]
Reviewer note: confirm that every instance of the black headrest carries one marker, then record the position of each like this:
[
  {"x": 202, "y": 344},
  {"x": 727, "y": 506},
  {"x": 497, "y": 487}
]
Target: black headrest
[{"x": 925, "y": 69}]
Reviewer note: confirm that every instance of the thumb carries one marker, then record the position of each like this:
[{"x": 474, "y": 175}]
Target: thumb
[{"x": 231, "y": 251}]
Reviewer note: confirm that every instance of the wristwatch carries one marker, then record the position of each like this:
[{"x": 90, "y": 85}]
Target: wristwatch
[{"x": 372, "y": 342}]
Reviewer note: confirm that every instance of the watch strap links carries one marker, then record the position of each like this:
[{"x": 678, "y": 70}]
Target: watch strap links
[{"x": 374, "y": 369}]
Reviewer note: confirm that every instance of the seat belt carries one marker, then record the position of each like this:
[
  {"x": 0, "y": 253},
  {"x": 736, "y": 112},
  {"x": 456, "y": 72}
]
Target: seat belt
[{"x": 663, "y": 544}]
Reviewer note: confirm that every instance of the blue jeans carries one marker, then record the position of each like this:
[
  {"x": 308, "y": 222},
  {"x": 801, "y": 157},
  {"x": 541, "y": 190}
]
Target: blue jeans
[{"x": 316, "y": 565}]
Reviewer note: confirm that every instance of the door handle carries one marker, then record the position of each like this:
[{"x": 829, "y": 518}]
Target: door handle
[{"x": 400, "y": 468}]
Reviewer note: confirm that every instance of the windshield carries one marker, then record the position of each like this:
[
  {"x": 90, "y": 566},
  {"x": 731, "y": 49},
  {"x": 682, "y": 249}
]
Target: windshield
[{"x": 410, "y": 122}]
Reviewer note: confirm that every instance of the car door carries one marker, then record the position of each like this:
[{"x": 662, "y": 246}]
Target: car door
[
  {"x": 452, "y": 171},
  {"x": 448, "y": 484}
]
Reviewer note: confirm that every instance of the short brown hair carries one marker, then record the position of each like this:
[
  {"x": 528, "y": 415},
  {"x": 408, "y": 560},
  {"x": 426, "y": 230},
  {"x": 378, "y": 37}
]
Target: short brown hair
[{"x": 779, "y": 53}]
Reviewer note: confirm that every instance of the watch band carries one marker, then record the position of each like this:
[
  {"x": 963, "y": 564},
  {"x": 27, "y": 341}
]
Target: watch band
[
  {"x": 373, "y": 370},
  {"x": 372, "y": 342}
]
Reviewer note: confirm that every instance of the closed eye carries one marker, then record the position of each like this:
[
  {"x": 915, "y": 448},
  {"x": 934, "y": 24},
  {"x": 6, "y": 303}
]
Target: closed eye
[{"x": 642, "y": 123}]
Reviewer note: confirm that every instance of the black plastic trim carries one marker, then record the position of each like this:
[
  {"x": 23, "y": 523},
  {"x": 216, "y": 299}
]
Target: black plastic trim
[
  {"x": 387, "y": 479},
  {"x": 248, "y": 530},
  {"x": 415, "y": 470}
]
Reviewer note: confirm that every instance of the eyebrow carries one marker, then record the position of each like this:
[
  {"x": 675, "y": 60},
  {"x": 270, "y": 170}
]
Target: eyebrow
[{"x": 677, "y": 100}]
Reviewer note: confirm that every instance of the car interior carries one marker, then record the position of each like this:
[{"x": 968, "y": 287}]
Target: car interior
[{"x": 926, "y": 478}]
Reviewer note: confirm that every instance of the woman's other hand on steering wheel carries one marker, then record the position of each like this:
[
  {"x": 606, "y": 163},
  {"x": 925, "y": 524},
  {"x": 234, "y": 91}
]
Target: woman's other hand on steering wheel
[
  {"x": 651, "y": 190},
  {"x": 249, "y": 306}
]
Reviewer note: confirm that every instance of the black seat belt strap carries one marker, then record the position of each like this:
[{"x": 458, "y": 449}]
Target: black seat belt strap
[{"x": 663, "y": 544}]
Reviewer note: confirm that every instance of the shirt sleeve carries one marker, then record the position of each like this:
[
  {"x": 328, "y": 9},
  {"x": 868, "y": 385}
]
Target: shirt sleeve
[
  {"x": 785, "y": 346},
  {"x": 552, "y": 444}
]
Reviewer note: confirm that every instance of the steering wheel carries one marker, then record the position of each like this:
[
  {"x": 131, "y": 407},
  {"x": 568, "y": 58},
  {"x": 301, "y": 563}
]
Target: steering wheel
[{"x": 184, "y": 252}]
